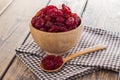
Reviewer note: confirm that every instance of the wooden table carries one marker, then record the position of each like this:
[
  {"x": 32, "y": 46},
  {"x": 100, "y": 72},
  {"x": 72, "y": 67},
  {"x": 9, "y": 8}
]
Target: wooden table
[{"x": 15, "y": 16}]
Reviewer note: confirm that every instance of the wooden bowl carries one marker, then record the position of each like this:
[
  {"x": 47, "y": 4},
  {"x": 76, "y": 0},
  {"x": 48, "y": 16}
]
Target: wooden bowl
[{"x": 56, "y": 43}]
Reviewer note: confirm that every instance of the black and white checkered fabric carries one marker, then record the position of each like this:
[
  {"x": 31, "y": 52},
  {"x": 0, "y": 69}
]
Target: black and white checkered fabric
[
  {"x": 73, "y": 71},
  {"x": 109, "y": 59}
]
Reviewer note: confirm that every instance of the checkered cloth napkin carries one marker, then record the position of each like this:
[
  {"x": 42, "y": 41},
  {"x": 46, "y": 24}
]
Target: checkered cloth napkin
[{"x": 109, "y": 59}]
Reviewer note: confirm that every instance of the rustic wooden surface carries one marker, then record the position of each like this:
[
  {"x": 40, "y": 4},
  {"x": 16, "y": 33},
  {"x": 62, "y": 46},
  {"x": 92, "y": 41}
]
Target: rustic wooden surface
[
  {"x": 4, "y": 5},
  {"x": 103, "y": 14},
  {"x": 15, "y": 28}
]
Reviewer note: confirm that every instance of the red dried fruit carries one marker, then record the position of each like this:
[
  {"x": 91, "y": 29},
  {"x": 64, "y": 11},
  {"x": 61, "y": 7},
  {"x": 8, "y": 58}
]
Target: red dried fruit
[
  {"x": 77, "y": 19},
  {"x": 60, "y": 13},
  {"x": 60, "y": 19},
  {"x": 51, "y": 62},
  {"x": 58, "y": 61},
  {"x": 48, "y": 64},
  {"x": 72, "y": 27},
  {"x": 52, "y": 12},
  {"x": 48, "y": 25},
  {"x": 59, "y": 24},
  {"x": 41, "y": 12},
  {"x": 43, "y": 29},
  {"x": 70, "y": 21},
  {"x": 50, "y": 7},
  {"x": 39, "y": 23},
  {"x": 66, "y": 9},
  {"x": 62, "y": 29},
  {"x": 54, "y": 28},
  {"x": 52, "y": 19},
  {"x": 33, "y": 21},
  {"x": 47, "y": 18}
]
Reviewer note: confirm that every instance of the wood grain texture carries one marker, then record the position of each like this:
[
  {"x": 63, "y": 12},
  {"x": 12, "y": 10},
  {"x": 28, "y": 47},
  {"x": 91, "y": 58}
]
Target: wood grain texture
[
  {"x": 14, "y": 26},
  {"x": 4, "y": 4},
  {"x": 101, "y": 75},
  {"x": 16, "y": 62},
  {"x": 103, "y": 14},
  {"x": 90, "y": 18},
  {"x": 20, "y": 72}
]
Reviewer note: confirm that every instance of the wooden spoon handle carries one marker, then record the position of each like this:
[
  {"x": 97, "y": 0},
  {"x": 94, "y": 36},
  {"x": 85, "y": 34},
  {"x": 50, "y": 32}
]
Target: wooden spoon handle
[{"x": 85, "y": 51}]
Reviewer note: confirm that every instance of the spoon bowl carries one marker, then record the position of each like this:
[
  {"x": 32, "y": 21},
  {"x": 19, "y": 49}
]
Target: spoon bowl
[
  {"x": 41, "y": 66},
  {"x": 85, "y": 51}
]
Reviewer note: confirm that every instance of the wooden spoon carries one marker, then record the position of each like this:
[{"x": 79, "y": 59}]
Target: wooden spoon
[{"x": 85, "y": 51}]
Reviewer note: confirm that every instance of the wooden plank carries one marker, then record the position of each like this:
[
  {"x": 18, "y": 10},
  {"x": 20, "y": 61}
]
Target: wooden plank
[
  {"x": 4, "y": 4},
  {"x": 102, "y": 75},
  {"x": 18, "y": 73},
  {"x": 14, "y": 27},
  {"x": 103, "y": 14}
]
